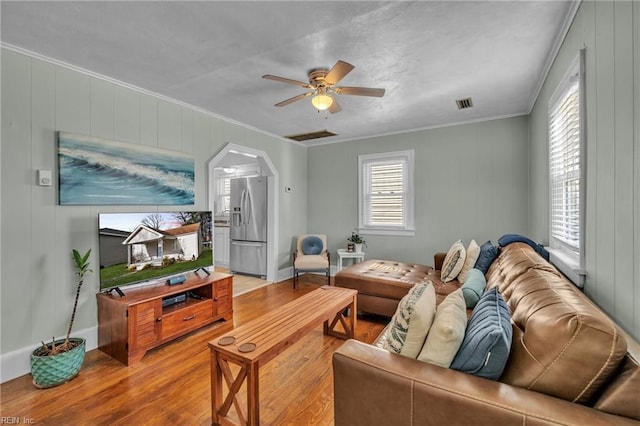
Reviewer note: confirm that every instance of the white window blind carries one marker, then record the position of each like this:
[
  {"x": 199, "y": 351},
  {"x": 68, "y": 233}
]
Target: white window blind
[
  {"x": 226, "y": 196},
  {"x": 566, "y": 168},
  {"x": 386, "y": 198}
]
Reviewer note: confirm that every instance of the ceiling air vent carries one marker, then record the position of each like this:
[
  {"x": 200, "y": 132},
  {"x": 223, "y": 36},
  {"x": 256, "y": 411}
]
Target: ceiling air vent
[
  {"x": 313, "y": 135},
  {"x": 464, "y": 103}
]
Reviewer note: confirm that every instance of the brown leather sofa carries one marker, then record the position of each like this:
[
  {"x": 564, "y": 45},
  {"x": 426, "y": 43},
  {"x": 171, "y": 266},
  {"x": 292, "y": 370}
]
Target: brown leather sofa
[{"x": 569, "y": 364}]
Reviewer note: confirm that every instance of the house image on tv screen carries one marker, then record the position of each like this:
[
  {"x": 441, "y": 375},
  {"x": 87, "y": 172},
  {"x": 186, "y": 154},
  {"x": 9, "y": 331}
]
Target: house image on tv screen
[{"x": 147, "y": 246}]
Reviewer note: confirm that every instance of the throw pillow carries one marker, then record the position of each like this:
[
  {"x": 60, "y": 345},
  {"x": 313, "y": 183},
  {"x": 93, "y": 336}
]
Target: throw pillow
[
  {"x": 473, "y": 251},
  {"x": 487, "y": 340},
  {"x": 473, "y": 287},
  {"x": 411, "y": 322},
  {"x": 453, "y": 262},
  {"x": 447, "y": 331},
  {"x": 312, "y": 245},
  {"x": 488, "y": 253},
  {"x": 513, "y": 238}
]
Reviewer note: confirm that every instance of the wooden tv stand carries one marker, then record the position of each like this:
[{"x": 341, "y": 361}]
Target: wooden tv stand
[{"x": 129, "y": 326}]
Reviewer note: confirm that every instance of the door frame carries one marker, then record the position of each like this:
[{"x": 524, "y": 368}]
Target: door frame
[{"x": 266, "y": 169}]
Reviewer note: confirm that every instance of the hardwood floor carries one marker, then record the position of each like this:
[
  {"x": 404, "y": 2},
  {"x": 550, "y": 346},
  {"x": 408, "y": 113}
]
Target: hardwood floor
[{"x": 171, "y": 384}]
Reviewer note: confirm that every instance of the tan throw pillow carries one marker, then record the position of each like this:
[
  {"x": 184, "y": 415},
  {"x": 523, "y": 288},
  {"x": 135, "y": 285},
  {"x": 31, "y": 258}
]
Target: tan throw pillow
[
  {"x": 453, "y": 262},
  {"x": 473, "y": 251},
  {"x": 411, "y": 322},
  {"x": 447, "y": 331}
]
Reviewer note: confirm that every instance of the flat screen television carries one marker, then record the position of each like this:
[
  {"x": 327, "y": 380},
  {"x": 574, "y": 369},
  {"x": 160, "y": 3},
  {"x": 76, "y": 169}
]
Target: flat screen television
[{"x": 136, "y": 248}]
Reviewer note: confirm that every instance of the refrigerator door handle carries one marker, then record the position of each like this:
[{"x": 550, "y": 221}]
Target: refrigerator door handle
[
  {"x": 246, "y": 244},
  {"x": 242, "y": 211},
  {"x": 247, "y": 208}
]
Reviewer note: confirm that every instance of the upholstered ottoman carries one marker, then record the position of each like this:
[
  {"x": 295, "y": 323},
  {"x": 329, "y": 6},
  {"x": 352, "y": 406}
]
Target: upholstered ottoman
[{"x": 382, "y": 283}]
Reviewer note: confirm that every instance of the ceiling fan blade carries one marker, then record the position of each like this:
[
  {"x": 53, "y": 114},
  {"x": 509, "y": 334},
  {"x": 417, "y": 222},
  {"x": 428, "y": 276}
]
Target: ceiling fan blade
[
  {"x": 292, "y": 100},
  {"x": 337, "y": 73},
  {"x": 335, "y": 106},
  {"x": 360, "y": 91},
  {"x": 287, "y": 80}
]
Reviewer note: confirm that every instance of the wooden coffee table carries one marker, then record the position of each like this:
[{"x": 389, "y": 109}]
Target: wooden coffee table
[{"x": 259, "y": 341}]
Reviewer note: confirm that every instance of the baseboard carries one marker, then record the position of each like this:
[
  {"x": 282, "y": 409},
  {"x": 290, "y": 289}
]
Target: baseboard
[{"x": 17, "y": 363}]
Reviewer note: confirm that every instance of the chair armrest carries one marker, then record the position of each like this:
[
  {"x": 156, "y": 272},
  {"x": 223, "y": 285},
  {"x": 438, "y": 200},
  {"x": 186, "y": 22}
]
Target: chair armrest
[
  {"x": 438, "y": 260},
  {"x": 371, "y": 384}
]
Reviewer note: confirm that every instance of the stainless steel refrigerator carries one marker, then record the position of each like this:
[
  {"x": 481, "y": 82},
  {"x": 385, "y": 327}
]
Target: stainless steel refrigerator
[{"x": 248, "y": 227}]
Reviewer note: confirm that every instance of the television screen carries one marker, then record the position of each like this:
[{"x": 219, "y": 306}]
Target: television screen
[{"x": 140, "y": 247}]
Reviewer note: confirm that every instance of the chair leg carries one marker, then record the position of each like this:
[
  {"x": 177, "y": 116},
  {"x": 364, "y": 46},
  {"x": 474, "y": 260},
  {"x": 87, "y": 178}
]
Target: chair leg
[
  {"x": 295, "y": 279},
  {"x": 328, "y": 277}
]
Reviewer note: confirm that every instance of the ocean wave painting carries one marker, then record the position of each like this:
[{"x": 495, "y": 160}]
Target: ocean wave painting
[{"x": 93, "y": 171}]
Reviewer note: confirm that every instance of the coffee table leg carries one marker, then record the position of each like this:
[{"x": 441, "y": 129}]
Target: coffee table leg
[
  {"x": 253, "y": 395},
  {"x": 353, "y": 317},
  {"x": 216, "y": 387}
]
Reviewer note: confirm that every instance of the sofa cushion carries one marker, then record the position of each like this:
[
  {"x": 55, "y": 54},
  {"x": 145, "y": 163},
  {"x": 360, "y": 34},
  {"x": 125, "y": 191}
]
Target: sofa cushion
[
  {"x": 411, "y": 322},
  {"x": 485, "y": 348},
  {"x": 454, "y": 262},
  {"x": 473, "y": 251},
  {"x": 473, "y": 288},
  {"x": 563, "y": 345},
  {"x": 447, "y": 331},
  {"x": 488, "y": 253}
]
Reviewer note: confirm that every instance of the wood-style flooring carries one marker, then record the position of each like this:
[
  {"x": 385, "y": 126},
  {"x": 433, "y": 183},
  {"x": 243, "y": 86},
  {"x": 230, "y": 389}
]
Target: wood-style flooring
[{"x": 171, "y": 384}]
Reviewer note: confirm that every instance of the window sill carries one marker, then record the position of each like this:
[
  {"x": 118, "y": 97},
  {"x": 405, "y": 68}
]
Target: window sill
[
  {"x": 388, "y": 232},
  {"x": 568, "y": 264}
]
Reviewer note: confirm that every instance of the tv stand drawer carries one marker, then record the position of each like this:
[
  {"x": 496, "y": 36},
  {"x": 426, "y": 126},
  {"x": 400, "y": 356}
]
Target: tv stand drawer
[{"x": 190, "y": 316}]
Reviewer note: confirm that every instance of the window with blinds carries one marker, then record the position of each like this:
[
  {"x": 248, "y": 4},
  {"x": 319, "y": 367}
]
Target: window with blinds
[
  {"x": 565, "y": 163},
  {"x": 386, "y": 194}
]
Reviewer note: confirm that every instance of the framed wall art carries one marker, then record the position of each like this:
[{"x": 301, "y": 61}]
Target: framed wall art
[{"x": 95, "y": 171}]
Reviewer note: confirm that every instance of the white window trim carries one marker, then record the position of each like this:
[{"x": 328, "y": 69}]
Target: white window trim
[
  {"x": 408, "y": 230},
  {"x": 570, "y": 263}
]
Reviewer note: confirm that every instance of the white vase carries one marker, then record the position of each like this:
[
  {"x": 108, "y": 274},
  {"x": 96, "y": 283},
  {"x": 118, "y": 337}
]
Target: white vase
[{"x": 358, "y": 248}]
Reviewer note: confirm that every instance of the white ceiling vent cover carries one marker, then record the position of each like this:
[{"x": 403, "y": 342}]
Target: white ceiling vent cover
[{"x": 464, "y": 103}]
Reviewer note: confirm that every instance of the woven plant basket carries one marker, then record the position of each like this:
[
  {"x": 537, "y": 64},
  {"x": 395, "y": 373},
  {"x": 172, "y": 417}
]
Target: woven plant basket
[{"x": 54, "y": 370}]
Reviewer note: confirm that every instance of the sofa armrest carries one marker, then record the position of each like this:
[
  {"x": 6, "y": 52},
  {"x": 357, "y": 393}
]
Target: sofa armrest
[
  {"x": 438, "y": 260},
  {"x": 373, "y": 386}
]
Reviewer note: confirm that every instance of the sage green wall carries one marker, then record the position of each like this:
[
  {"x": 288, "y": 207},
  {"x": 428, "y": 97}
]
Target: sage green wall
[
  {"x": 471, "y": 181},
  {"x": 38, "y": 98},
  {"x": 610, "y": 32}
]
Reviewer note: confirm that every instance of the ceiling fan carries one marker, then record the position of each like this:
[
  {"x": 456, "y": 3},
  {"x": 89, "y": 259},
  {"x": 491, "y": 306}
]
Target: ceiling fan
[{"x": 322, "y": 86}]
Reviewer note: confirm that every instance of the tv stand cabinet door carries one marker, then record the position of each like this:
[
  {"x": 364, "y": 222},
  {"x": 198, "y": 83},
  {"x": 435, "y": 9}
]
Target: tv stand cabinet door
[
  {"x": 223, "y": 298},
  {"x": 145, "y": 321}
]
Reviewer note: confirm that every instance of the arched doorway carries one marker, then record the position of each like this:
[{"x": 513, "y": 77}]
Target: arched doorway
[{"x": 231, "y": 154}]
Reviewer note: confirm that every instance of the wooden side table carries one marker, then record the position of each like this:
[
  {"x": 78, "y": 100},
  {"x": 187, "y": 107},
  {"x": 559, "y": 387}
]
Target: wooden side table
[{"x": 358, "y": 256}]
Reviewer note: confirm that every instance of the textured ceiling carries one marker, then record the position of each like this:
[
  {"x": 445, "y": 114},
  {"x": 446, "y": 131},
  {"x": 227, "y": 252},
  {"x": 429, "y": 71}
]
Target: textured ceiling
[{"x": 212, "y": 55}]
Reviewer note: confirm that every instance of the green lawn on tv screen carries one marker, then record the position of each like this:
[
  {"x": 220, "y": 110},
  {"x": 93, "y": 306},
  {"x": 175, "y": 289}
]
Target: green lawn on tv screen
[{"x": 117, "y": 275}]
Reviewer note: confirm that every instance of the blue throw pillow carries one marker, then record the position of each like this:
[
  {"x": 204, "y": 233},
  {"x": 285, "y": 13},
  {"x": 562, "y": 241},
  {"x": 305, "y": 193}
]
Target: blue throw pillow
[
  {"x": 312, "y": 245},
  {"x": 473, "y": 287},
  {"x": 487, "y": 340},
  {"x": 488, "y": 253},
  {"x": 514, "y": 238}
]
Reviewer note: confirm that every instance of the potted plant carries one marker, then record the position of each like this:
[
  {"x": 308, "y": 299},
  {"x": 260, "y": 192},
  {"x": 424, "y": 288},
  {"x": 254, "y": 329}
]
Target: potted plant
[
  {"x": 59, "y": 361},
  {"x": 357, "y": 241}
]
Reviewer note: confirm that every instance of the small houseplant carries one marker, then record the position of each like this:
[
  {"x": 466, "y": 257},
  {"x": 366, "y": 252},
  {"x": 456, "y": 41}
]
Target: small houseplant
[
  {"x": 357, "y": 241},
  {"x": 59, "y": 361}
]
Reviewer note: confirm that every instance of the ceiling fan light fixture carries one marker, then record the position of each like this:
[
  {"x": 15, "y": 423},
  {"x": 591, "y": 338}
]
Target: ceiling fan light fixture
[{"x": 322, "y": 101}]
